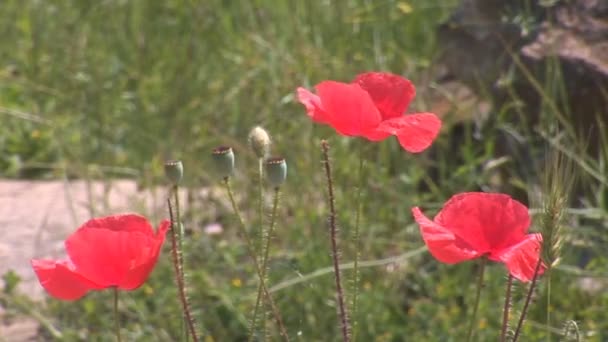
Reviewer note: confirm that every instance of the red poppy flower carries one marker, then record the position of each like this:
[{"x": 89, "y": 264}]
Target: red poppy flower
[
  {"x": 372, "y": 106},
  {"x": 118, "y": 251},
  {"x": 476, "y": 224}
]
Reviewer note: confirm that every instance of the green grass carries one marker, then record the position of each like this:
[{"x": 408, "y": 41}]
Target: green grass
[{"x": 111, "y": 89}]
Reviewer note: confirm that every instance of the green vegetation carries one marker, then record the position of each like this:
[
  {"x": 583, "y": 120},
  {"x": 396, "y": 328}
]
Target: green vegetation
[{"x": 112, "y": 89}]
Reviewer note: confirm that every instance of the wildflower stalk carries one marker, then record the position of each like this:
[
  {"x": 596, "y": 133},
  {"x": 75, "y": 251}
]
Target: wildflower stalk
[
  {"x": 179, "y": 271},
  {"x": 524, "y": 311},
  {"x": 356, "y": 242},
  {"x": 263, "y": 235},
  {"x": 506, "y": 309},
  {"x": 266, "y": 249},
  {"x": 116, "y": 317},
  {"x": 334, "y": 244},
  {"x": 482, "y": 266},
  {"x": 557, "y": 184},
  {"x": 254, "y": 258}
]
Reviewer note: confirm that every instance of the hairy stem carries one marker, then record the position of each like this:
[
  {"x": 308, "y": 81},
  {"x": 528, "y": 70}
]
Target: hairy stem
[
  {"x": 266, "y": 249},
  {"x": 506, "y": 310},
  {"x": 179, "y": 273},
  {"x": 180, "y": 245},
  {"x": 524, "y": 311},
  {"x": 116, "y": 317},
  {"x": 548, "y": 324},
  {"x": 356, "y": 242},
  {"x": 333, "y": 233},
  {"x": 482, "y": 267},
  {"x": 254, "y": 258}
]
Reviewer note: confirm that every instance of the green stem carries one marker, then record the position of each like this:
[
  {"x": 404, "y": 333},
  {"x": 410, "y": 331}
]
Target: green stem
[
  {"x": 180, "y": 245},
  {"x": 116, "y": 316},
  {"x": 254, "y": 258},
  {"x": 548, "y": 275},
  {"x": 266, "y": 249},
  {"x": 482, "y": 266},
  {"x": 333, "y": 235},
  {"x": 263, "y": 232},
  {"x": 356, "y": 242},
  {"x": 506, "y": 309}
]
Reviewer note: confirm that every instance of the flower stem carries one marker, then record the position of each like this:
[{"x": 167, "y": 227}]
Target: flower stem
[
  {"x": 334, "y": 243},
  {"x": 116, "y": 317},
  {"x": 266, "y": 249},
  {"x": 179, "y": 273},
  {"x": 254, "y": 258},
  {"x": 506, "y": 309},
  {"x": 180, "y": 249},
  {"x": 263, "y": 236},
  {"x": 524, "y": 311},
  {"x": 356, "y": 242},
  {"x": 548, "y": 324},
  {"x": 482, "y": 266}
]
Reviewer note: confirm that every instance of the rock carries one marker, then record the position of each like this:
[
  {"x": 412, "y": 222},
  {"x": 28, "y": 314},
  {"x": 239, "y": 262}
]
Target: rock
[{"x": 505, "y": 47}]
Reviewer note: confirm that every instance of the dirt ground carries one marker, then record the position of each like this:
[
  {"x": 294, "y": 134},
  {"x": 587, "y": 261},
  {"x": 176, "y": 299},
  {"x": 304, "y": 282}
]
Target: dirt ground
[{"x": 36, "y": 216}]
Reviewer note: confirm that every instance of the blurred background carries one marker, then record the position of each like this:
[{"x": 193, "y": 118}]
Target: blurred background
[{"x": 97, "y": 95}]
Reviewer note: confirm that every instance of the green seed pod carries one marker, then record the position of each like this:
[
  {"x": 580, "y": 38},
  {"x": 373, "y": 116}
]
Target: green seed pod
[
  {"x": 259, "y": 140},
  {"x": 174, "y": 171},
  {"x": 223, "y": 160},
  {"x": 276, "y": 171}
]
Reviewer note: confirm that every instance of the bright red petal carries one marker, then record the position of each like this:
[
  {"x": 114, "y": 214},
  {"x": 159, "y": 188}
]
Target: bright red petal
[
  {"x": 486, "y": 221},
  {"x": 138, "y": 275},
  {"x": 443, "y": 244},
  {"x": 105, "y": 250},
  {"x": 415, "y": 132},
  {"x": 521, "y": 258},
  {"x": 313, "y": 106},
  {"x": 351, "y": 109},
  {"x": 391, "y": 93},
  {"x": 60, "y": 279}
]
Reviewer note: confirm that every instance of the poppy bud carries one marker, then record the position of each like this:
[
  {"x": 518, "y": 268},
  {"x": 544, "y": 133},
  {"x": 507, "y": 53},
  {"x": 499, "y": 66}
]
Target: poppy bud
[
  {"x": 276, "y": 171},
  {"x": 174, "y": 171},
  {"x": 223, "y": 159},
  {"x": 259, "y": 140}
]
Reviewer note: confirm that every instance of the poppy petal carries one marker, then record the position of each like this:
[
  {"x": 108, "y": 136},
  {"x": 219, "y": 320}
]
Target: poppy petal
[
  {"x": 138, "y": 275},
  {"x": 415, "y": 132},
  {"x": 313, "y": 106},
  {"x": 391, "y": 93},
  {"x": 106, "y": 256},
  {"x": 351, "y": 109},
  {"x": 521, "y": 258},
  {"x": 442, "y": 243},
  {"x": 486, "y": 221},
  {"x": 60, "y": 279}
]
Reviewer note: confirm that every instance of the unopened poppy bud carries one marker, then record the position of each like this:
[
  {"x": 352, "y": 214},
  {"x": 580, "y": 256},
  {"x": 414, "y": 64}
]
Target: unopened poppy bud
[
  {"x": 174, "y": 171},
  {"x": 276, "y": 171},
  {"x": 259, "y": 140},
  {"x": 223, "y": 159}
]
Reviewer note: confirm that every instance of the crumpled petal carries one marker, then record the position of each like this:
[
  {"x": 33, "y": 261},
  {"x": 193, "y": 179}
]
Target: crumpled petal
[
  {"x": 313, "y": 106},
  {"x": 521, "y": 258},
  {"x": 145, "y": 262},
  {"x": 443, "y": 244},
  {"x": 415, "y": 132},
  {"x": 60, "y": 280},
  {"x": 352, "y": 111},
  {"x": 391, "y": 93},
  {"x": 486, "y": 221}
]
